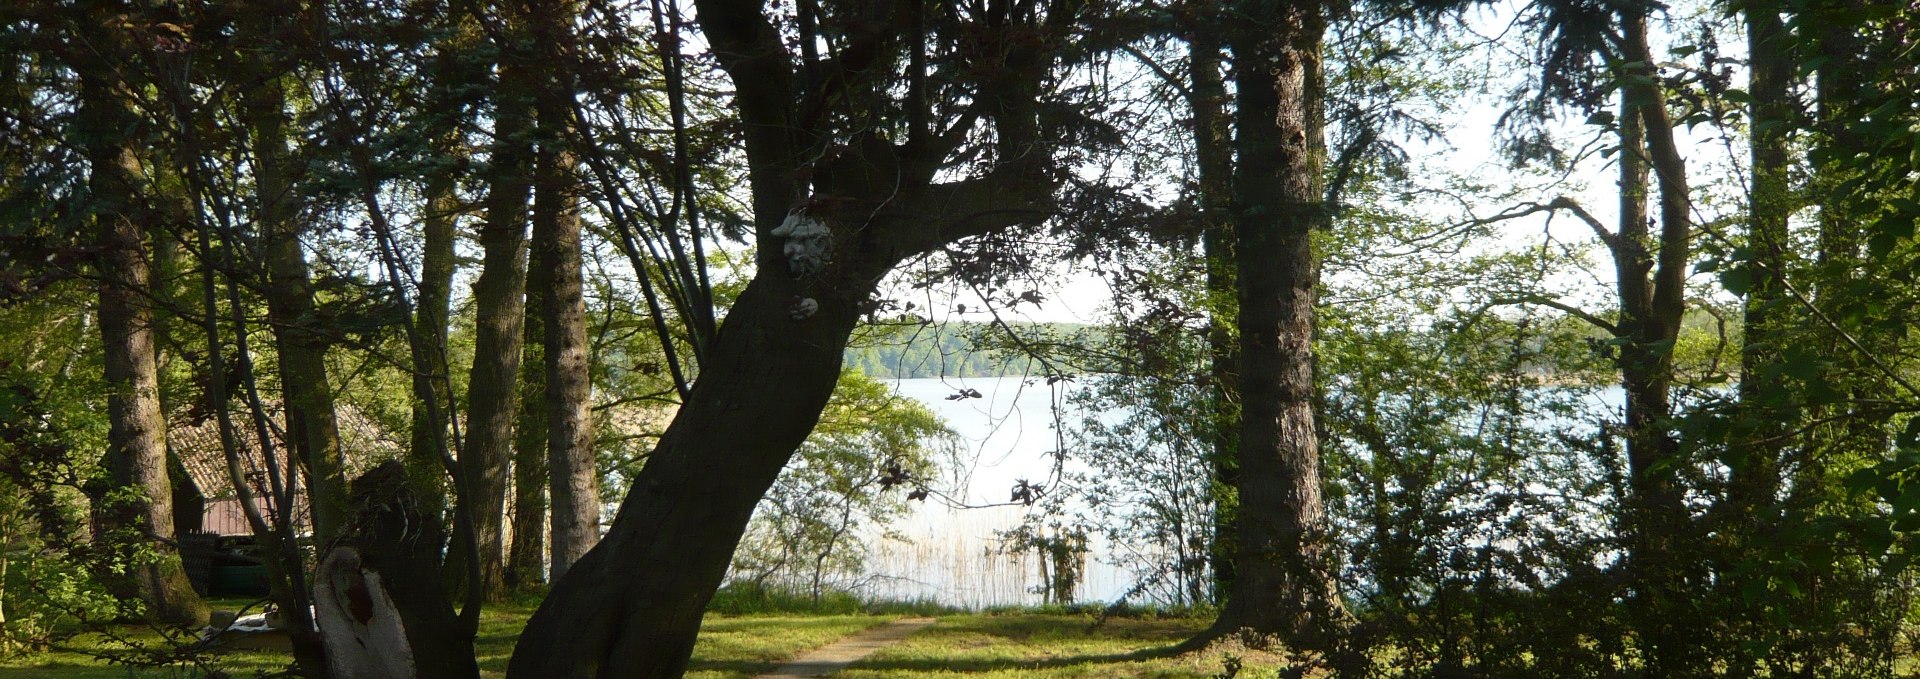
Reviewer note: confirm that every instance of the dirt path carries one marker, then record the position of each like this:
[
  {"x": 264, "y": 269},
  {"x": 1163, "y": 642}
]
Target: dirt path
[{"x": 833, "y": 657}]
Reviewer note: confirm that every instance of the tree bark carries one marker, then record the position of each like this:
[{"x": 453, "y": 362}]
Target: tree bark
[
  {"x": 1213, "y": 154},
  {"x": 1283, "y": 581},
  {"x": 568, "y": 383},
  {"x": 568, "y": 457},
  {"x": 136, "y": 439},
  {"x": 1652, "y": 288},
  {"x": 500, "y": 309},
  {"x": 527, "y": 553},
  {"x": 306, "y": 394}
]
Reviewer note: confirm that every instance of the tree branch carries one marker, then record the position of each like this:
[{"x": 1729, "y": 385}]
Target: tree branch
[
  {"x": 952, "y": 211},
  {"x": 1561, "y": 203},
  {"x": 1571, "y": 310}
]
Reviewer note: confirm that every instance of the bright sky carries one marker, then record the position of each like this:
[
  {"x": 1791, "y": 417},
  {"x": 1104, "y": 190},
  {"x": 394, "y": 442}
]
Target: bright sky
[{"x": 1469, "y": 152}]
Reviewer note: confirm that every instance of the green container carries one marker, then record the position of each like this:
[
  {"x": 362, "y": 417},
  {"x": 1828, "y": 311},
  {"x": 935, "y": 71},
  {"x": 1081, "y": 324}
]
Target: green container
[{"x": 237, "y": 581}]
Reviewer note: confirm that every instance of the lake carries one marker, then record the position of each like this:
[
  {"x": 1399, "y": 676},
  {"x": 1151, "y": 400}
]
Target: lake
[{"x": 953, "y": 554}]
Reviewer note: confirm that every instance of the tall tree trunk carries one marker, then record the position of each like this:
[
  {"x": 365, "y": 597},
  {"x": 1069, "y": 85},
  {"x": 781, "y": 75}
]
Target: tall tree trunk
[
  {"x": 1765, "y": 408},
  {"x": 527, "y": 553},
  {"x": 500, "y": 309},
  {"x": 434, "y": 409},
  {"x": 1757, "y": 442},
  {"x": 1283, "y": 582},
  {"x": 1652, "y": 288},
  {"x": 136, "y": 439},
  {"x": 1213, "y": 139},
  {"x": 568, "y": 398},
  {"x": 1837, "y": 95},
  {"x": 1842, "y": 94},
  {"x": 432, "y": 394},
  {"x": 313, "y": 434},
  {"x": 567, "y": 408}
]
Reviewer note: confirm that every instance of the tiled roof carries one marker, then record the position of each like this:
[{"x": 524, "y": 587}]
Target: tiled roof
[{"x": 363, "y": 444}]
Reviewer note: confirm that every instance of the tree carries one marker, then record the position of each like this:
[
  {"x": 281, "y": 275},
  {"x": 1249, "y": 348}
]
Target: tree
[
  {"x": 1283, "y": 576},
  {"x": 1213, "y": 161},
  {"x": 500, "y": 307},
  {"x": 301, "y": 345},
  {"x": 527, "y": 555},
  {"x": 141, "y": 502},
  {"x": 568, "y": 457},
  {"x": 843, "y": 218}
]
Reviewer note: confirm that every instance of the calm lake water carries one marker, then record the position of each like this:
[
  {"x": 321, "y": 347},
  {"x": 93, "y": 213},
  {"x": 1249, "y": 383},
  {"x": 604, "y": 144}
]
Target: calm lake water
[{"x": 954, "y": 555}]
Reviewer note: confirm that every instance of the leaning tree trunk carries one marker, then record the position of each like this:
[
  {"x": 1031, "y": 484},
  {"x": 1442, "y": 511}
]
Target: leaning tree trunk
[
  {"x": 136, "y": 439},
  {"x": 1283, "y": 580},
  {"x": 499, "y": 299},
  {"x": 831, "y": 226},
  {"x": 635, "y": 601},
  {"x": 569, "y": 414}
]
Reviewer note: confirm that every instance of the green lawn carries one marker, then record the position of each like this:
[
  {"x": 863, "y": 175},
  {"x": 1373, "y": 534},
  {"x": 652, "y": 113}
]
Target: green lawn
[
  {"x": 737, "y": 647},
  {"x": 1055, "y": 646},
  {"x": 730, "y": 647}
]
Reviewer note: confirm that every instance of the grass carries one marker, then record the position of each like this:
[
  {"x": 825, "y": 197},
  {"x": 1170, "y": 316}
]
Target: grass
[
  {"x": 1054, "y": 646},
  {"x": 740, "y": 646},
  {"x": 745, "y": 598},
  {"x": 730, "y": 647}
]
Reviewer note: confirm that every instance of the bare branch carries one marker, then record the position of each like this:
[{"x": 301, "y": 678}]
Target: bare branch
[{"x": 1571, "y": 310}]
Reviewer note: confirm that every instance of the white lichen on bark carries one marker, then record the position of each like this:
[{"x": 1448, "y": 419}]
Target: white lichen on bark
[{"x": 809, "y": 243}]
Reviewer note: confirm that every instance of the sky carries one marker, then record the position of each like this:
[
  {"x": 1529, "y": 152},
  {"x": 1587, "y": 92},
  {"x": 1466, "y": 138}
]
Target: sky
[{"x": 1468, "y": 152}]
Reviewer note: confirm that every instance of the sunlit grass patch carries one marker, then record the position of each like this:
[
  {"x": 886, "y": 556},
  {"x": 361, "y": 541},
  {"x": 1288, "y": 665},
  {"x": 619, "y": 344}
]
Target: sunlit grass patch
[
  {"x": 1056, "y": 646},
  {"x": 739, "y": 647},
  {"x": 736, "y": 647},
  {"x": 87, "y": 656}
]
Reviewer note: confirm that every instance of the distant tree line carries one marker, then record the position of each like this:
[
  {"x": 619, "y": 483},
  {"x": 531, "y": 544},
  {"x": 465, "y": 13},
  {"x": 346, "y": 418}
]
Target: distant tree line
[{"x": 962, "y": 349}]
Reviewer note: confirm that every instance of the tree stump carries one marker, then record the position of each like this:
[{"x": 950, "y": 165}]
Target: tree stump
[{"x": 382, "y": 609}]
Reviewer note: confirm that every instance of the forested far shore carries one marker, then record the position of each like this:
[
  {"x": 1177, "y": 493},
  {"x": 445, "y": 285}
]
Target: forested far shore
[{"x": 960, "y": 349}]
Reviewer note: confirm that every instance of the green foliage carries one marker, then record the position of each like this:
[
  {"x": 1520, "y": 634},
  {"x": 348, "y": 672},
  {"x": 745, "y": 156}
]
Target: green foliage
[
  {"x": 1145, "y": 443},
  {"x": 50, "y": 596},
  {"x": 52, "y": 570},
  {"x": 853, "y": 474}
]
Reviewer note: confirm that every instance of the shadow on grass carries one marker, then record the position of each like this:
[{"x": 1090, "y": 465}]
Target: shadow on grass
[
  {"x": 751, "y": 668},
  {"x": 915, "y": 665},
  {"x": 985, "y": 665}
]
